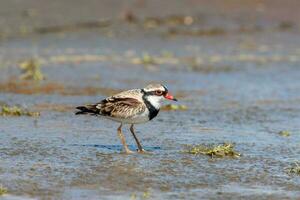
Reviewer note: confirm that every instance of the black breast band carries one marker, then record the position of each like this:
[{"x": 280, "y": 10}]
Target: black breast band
[{"x": 152, "y": 110}]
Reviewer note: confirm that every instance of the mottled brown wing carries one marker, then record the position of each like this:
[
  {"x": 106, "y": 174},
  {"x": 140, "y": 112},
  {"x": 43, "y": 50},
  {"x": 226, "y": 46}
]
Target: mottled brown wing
[{"x": 120, "y": 107}]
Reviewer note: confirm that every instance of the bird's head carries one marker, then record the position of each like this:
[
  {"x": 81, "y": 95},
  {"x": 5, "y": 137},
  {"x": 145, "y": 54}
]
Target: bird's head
[{"x": 155, "y": 93}]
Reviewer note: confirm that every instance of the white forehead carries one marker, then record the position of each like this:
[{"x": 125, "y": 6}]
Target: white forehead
[{"x": 154, "y": 87}]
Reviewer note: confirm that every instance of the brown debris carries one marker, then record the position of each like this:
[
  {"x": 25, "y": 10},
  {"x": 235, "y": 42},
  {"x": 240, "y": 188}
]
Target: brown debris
[
  {"x": 73, "y": 27},
  {"x": 197, "y": 32},
  {"x": 26, "y": 87},
  {"x": 53, "y": 107}
]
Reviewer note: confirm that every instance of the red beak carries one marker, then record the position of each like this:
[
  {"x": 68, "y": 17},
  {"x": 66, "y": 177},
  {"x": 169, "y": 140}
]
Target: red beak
[{"x": 170, "y": 97}]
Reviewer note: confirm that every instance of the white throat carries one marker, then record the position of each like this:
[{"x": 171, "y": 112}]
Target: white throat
[{"x": 155, "y": 101}]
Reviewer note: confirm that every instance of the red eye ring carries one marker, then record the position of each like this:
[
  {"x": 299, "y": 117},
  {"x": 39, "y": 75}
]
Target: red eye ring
[{"x": 158, "y": 92}]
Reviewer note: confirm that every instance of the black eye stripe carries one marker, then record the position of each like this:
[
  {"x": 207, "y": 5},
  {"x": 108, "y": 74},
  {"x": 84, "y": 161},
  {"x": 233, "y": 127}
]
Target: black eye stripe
[
  {"x": 148, "y": 93},
  {"x": 154, "y": 93}
]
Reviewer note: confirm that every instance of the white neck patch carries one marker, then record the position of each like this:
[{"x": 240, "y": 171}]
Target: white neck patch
[{"x": 155, "y": 100}]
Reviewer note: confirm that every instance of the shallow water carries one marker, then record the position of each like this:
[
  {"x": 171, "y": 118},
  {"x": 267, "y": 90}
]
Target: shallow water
[{"x": 62, "y": 156}]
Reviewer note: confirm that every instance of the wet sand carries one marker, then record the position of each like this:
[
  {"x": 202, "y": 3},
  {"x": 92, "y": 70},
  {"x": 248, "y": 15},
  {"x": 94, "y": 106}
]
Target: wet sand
[{"x": 235, "y": 67}]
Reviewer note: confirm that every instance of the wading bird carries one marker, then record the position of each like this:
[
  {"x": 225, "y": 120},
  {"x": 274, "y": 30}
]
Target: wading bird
[{"x": 130, "y": 107}]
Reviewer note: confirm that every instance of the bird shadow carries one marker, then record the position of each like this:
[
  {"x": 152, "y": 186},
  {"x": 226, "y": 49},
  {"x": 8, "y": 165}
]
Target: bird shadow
[{"x": 118, "y": 147}]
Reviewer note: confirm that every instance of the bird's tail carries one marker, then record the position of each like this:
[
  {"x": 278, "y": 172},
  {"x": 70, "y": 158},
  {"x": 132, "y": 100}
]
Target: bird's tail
[{"x": 88, "y": 109}]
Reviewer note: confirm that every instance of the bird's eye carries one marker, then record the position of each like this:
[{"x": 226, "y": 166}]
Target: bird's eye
[{"x": 158, "y": 92}]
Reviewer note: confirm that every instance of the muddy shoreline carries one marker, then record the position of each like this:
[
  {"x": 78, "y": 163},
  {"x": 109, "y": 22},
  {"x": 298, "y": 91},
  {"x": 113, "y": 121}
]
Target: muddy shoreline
[{"x": 234, "y": 67}]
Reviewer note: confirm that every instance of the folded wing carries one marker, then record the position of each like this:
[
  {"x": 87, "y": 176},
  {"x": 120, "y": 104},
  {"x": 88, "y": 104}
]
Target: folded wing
[{"x": 118, "y": 107}]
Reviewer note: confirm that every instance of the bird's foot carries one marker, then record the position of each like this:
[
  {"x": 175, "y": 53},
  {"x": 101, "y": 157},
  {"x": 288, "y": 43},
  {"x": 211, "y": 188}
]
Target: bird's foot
[
  {"x": 128, "y": 151},
  {"x": 143, "y": 151}
]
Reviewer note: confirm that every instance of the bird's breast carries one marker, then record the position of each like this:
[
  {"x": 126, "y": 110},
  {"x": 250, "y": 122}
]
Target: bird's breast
[{"x": 153, "y": 113}]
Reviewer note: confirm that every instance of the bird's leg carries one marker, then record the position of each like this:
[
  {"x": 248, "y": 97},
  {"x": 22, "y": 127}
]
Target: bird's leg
[
  {"x": 140, "y": 148},
  {"x": 127, "y": 150}
]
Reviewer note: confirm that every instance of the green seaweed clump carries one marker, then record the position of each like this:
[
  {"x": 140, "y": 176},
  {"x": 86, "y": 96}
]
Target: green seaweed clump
[
  {"x": 146, "y": 59},
  {"x": 174, "y": 107},
  {"x": 222, "y": 150},
  {"x": 145, "y": 195},
  {"x": 295, "y": 169},
  {"x": 16, "y": 111},
  {"x": 31, "y": 70},
  {"x": 284, "y": 133},
  {"x": 3, "y": 190}
]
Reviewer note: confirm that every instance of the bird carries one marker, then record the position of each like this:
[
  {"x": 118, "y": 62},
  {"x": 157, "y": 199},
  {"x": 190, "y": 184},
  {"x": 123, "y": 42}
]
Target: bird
[{"x": 132, "y": 107}]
